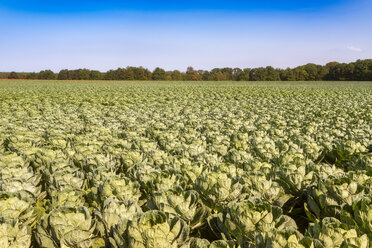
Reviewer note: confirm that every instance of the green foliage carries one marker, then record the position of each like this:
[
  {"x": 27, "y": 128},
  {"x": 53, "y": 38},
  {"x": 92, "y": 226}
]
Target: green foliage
[
  {"x": 217, "y": 189},
  {"x": 244, "y": 220},
  {"x": 330, "y": 232},
  {"x": 116, "y": 214},
  {"x": 13, "y": 234},
  {"x": 47, "y": 74},
  {"x": 361, "y": 70},
  {"x": 157, "y": 164},
  {"x": 13, "y": 75},
  {"x": 185, "y": 205},
  {"x": 152, "y": 229},
  {"x": 66, "y": 227},
  {"x": 158, "y": 74},
  {"x": 331, "y": 196}
]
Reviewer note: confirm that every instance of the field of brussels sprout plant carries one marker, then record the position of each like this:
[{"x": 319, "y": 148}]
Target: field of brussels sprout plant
[{"x": 185, "y": 164}]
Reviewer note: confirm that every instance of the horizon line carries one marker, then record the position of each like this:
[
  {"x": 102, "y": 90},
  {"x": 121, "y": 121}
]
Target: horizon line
[{"x": 169, "y": 70}]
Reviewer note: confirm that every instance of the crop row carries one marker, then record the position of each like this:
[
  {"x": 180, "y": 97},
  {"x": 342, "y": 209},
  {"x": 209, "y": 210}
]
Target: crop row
[{"x": 185, "y": 166}]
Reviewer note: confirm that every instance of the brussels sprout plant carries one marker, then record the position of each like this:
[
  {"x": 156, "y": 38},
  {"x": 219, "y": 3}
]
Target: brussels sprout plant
[{"x": 185, "y": 164}]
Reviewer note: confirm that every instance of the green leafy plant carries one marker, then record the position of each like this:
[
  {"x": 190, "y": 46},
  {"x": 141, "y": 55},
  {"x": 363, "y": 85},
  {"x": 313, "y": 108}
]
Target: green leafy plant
[{"x": 66, "y": 227}]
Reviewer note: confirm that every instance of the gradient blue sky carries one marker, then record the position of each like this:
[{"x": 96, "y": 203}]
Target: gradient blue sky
[{"x": 37, "y": 35}]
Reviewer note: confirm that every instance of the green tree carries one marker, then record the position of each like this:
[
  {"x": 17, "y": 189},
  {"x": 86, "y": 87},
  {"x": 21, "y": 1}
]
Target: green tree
[
  {"x": 129, "y": 74},
  {"x": 312, "y": 72},
  {"x": 236, "y": 74},
  {"x": 300, "y": 73},
  {"x": 258, "y": 74},
  {"x": 359, "y": 70},
  {"x": 228, "y": 72},
  {"x": 206, "y": 75},
  {"x": 287, "y": 75},
  {"x": 192, "y": 75},
  {"x": 83, "y": 74},
  {"x": 176, "y": 75},
  {"x": 148, "y": 74},
  {"x": 136, "y": 73},
  {"x": 245, "y": 76},
  {"x": 13, "y": 75},
  {"x": 341, "y": 72},
  {"x": 272, "y": 74},
  {"x": 121, "y": 74},
  {"x": 158, "y": 74},
  {"x": 363, "y": 70},
  {"x": 31, "y": 75},
  {"x": 63, "y": 75},
  {"x": 47, "y": 75},
  {"x": 95, "y": 75},
  {"x": 218, "y": 75},
  {"x": 322, "y": 72},
  {"x": 109, "y": 75}
]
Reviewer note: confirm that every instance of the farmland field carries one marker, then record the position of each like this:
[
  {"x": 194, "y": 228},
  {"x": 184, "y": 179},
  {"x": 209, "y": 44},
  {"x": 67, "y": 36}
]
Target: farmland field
[{"x": 185, "y": 164}]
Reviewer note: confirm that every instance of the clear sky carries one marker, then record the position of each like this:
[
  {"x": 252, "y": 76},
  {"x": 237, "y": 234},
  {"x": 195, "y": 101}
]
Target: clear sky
[{"x": 37, "y": 35}]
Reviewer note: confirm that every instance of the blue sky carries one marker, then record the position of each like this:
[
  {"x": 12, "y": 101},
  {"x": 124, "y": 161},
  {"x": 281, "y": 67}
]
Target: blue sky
[{"x": 104, "y": 35}]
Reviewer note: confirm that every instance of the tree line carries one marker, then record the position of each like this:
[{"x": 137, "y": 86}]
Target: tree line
[{"x": 361, "y": 70}]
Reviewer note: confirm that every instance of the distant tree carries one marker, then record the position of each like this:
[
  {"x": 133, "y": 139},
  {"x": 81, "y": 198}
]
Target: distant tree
[
  {"x": 192, "y": 75},
  {"x": 109, "y": 75},
  {"x": 218, "y": 75},
  {"x": 136, "y": 73},
  {"x": 258, "y": 74},
  {"x": 331, "y": 67},
  {"x": 32, "y": 75},
  {"x": 240, "y": 75},
  {"x": 369, "y": 74},
  {"x": 300, "y": 73},
  {"x": 340, "y": 72},
  {"x": 130, "y": 74},
  {"x": 244, "y": 75},
  {"x": 363, "y": 70},
  {"x": 272, "y": 74},
  {"x": 176, "y": 75},
  {"x": 322, "y": 72},
  {"x": 331, "y": 64},
  {"x": 168, "y": 76},
  {"x": 63, "y": 75},
  {"x": 73, "y": 74},
  {"x": 148, "y": 74},
  {"x": 82, "y": 74},
  {"x": 13, "y": 75},
  {"x": 287, "y": 75},
  {"x": 359, "y": 70},
  {"x": 228, "y": 73},
  {"x": 236, "y": 73},
  {"x": 95, "y": 75},
  {"x": 47, "y": 74},
  {"x": 158, "y": 74},
  {"x": 120, "y": 74},
  {"x": 206, "y": 75},
  {"x": 311, "y": 72}
]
